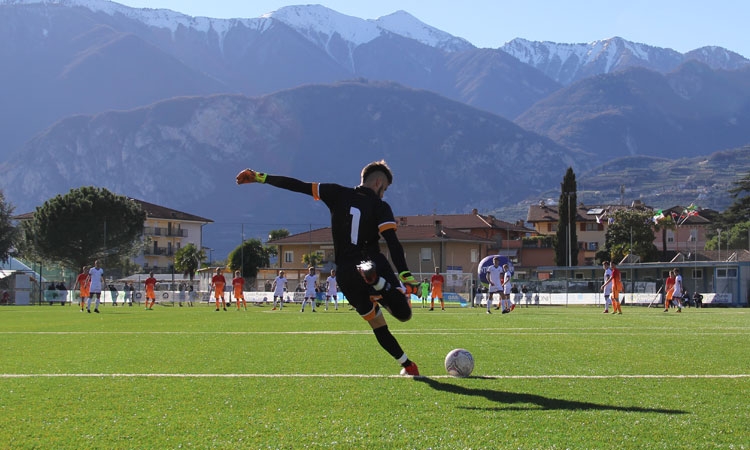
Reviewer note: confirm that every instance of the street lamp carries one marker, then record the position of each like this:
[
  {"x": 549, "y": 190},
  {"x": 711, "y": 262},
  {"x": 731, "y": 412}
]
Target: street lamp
[
  {"x": 695, "y": 260},
  {"x": 210, "y": 255},
  {"x": 571, "y": 218}
]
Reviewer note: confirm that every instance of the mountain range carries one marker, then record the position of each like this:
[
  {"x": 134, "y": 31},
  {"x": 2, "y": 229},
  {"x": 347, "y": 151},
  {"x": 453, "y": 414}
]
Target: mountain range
[{"x": 167, "y": 108}]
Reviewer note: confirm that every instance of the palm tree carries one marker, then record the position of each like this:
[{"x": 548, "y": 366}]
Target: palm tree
[{"x": 188, "y": 260}]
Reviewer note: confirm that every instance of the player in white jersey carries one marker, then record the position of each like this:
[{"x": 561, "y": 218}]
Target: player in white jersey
[
  {"x": 96, "y": 275},
  {"x": 311, "y": 284},
  {"x": 507, "y": 304},
  {"x": 494, "y": 273},
  {"x": 677, "y": 290},
  {"x": 332, "y": 290},
  {"x": 607, "y": 286},
  {"x": 279, "y": 287}
]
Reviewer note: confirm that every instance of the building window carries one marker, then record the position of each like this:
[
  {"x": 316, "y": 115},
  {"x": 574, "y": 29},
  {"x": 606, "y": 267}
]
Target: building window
[
  {"x": 726, "y": 273},
  {"x": 425, "y": 254},
  {"x": 697, "y": 274},
  {"x": 552, "y": 226},
  {"x": 592, "y": 226},
  {"x": 288, "y": 257},
  {"x": 474, "y": 255},
  {"x": 670, "y": 236},
  {"x": 592, "y": 246}
]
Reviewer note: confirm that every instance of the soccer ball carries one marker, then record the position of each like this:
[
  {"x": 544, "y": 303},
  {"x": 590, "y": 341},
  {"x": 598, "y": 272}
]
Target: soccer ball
[{"x": 459, "y": 363}]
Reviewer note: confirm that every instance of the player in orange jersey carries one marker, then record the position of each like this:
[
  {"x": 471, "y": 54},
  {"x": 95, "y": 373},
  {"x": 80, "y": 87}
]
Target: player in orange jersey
[
  {"x": 616, "y": 288},
  {"x": 668, "y": 290},
  {"x": 437, "y": 282},
  {"x": 82, "y": 281},
  {"x": 238, "y": 283},
  {"x": 150, "y": 286},
  {"x": 217, "y": 284}
]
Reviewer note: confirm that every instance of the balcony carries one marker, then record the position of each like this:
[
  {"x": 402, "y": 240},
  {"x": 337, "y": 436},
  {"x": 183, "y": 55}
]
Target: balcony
[
  {"x": 166, "y": 232},
  {"x": 158, "y": 251}
]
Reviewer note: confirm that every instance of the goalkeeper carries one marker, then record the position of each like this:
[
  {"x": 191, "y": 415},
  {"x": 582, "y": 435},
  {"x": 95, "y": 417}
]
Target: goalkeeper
[{"x": 359, "y": 216}]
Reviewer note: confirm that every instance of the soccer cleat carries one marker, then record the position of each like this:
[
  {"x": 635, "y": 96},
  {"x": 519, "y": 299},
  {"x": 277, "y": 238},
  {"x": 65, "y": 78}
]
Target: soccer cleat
[
  {"x": 489, "y": 312},
  {"x": 217, "y": 309},
  {"x": 606, "y": 311},
  {"x": 432, "y": 309},
  {"x": 273, "y": 309},
  {"x": 96, "y": 310},
  {"x": 513, "y": 306},
  {"x": 410, "y": 370}
]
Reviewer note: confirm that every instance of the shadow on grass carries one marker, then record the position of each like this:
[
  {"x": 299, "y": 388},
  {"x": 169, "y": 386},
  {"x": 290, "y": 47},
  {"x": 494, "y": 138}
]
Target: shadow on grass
[{"x": 543, "y": 403}]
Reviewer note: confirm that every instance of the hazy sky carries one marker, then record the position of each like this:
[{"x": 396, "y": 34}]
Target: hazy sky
[{"x": 682, "y": 25}]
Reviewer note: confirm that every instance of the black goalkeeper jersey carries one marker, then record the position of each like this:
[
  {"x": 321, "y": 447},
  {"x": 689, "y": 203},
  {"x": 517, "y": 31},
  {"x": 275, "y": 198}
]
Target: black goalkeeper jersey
[{"x": 358, "y": 218}]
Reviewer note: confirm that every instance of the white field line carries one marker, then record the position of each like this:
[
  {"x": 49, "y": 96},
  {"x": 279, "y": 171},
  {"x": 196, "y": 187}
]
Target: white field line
[
  {"x": 352, "y": 375},
  {"x": 438, "y": 332}
]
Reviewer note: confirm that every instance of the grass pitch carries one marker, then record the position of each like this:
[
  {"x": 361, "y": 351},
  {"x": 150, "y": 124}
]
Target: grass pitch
[{"x": 549, "y": 377}]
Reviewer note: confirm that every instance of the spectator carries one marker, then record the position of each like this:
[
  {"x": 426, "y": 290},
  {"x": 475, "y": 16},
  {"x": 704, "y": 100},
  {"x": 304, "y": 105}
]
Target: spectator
[
  {"x": 113, "y": 293},
  {"x": 698, "y": 300}
]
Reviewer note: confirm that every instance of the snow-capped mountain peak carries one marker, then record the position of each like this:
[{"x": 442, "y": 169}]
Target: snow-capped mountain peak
[
  {"x": 404, "y": 24},
  {"x": 567, "y": 63},
  {"x": 318, "y": 24},
  {"x": 159, "y": 18}
]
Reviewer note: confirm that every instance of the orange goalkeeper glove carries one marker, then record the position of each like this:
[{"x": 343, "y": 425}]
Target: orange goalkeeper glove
[
  {"x": 410, "y": 284},
  {"x": 250, "y": 176}
]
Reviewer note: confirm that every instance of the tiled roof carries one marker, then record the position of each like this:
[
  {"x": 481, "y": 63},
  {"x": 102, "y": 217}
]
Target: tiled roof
[
  {"x": 406, "y": 233},
  {"x": 461, "y": 222},
  {"x": 152, "y": 211},
  {"x": 162, "y": 212}
]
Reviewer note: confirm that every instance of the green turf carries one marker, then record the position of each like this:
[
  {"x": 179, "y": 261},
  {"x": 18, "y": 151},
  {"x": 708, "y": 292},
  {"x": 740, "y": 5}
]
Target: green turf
[{"x": 550, "y": 378}]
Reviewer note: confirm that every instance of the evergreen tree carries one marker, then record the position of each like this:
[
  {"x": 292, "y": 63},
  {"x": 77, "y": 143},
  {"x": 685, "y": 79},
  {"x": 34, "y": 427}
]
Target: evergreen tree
[
  {"x": 8, "y": 233},
  {"x": 83, "y": 225},
  {"x": 249, "y": 257},
  {"x": 566, "y": 251}
]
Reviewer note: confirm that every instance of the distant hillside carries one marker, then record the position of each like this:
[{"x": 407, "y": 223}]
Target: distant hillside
[
  {"x": 184, "y": 153},
  {"x": 692, "y": 111},
  {"x": 657, "y": 182}
]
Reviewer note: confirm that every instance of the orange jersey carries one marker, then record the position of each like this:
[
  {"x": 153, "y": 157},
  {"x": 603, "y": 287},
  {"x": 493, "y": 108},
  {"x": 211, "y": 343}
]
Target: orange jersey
[
  {"x": 437, "y": 281},
  {"x": 83, "y": 281},
  {"x": 616, "y": 282},
  {"x": 218, "y": 281},
  {"x": 238, "y": 283},
  {"x": 150, "y": 284}
]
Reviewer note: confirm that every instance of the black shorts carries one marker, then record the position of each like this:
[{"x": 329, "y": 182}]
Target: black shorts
[{"x": 359, "y": 293}]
